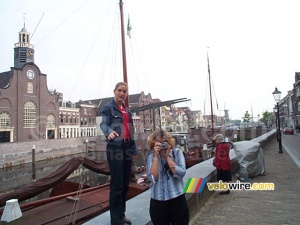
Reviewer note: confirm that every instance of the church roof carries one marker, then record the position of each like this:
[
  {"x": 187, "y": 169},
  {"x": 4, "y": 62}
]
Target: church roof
[
  {"x": 24, "y": 30},
  {"x": 5, "y": 79}
]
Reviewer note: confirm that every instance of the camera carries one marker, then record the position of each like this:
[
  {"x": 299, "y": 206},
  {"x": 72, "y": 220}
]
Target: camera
[{"x": 164, "y": 145}]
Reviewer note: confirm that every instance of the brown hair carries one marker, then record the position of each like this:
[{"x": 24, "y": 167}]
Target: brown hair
[
  {"x": 119, "y": 84},
  {"x": 157, "y": 135}
]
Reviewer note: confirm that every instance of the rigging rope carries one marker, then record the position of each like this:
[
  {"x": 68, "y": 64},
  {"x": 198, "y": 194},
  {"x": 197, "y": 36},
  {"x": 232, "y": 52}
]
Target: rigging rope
[
  {"x": 114, "y": 40},
  {"x": 74, "y": 211},
  {"x": 90, "y": 50},
  {"x": 37, "y": 26},
  {"x": 214, "y": 92},
  {"x": 62, "y": 22}
]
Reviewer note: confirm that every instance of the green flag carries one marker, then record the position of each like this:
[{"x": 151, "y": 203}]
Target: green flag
[{"x": 129, "y": 28}]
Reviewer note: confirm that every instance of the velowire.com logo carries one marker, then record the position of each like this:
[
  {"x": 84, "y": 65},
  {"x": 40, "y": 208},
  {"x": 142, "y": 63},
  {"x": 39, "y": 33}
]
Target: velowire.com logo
[{"x": 196, "y": 185}]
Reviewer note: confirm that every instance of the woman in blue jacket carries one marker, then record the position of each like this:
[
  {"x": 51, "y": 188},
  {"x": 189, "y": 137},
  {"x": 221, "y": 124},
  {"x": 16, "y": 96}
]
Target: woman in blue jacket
[{"x": 117, "y": 126}]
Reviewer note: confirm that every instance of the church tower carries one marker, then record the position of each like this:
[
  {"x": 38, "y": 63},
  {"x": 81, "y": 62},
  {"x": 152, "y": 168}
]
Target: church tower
[{"x": 24, "y": 51}]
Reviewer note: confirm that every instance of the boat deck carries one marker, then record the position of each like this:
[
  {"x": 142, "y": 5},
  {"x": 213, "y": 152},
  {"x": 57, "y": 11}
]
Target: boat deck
[{"x": 62, "y": 211}]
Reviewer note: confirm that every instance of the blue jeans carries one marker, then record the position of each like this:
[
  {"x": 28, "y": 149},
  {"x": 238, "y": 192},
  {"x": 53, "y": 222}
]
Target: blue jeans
[{"x": 120, "y": 162}]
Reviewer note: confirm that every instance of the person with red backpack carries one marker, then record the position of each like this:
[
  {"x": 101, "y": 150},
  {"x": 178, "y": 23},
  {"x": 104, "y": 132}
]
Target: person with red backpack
[{"x": 222, "y": 161}]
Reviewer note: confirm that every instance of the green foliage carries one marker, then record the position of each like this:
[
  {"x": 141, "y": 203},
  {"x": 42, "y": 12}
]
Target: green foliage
[
  {"x": 265, "y": 117},
  {"x": 246, "y": 118}
]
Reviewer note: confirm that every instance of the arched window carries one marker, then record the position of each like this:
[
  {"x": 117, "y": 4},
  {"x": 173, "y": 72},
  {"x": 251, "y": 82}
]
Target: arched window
[
  {"x": 51, "y": 120},
  {"x": 29, "y": 87},
  {"x": 29, "y": 118},
  {"x": 4, "y": 119}
]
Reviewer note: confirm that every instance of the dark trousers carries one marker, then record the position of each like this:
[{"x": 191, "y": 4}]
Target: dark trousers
[
  {"x": 224, "y": 175},
  {"x": 174, "y": 211},
  {"x": 120, "y": 161}
]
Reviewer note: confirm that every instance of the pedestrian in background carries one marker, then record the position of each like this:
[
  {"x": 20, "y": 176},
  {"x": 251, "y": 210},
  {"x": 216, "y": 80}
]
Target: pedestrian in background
[
  {"x": 165, "y": 170},
  {"x": 117, "y": 126},
  {"x": 222, "y": 160}
]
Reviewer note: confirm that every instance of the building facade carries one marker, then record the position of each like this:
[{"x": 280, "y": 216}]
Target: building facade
[
  {"x": 295, "y": 100},
  {"x": 289, "y": 106},
  {"x": 29, "y": 111}
]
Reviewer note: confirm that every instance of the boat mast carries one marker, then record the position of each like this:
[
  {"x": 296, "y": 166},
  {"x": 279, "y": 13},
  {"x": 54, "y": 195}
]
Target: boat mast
[
  {"x": 124, "y": 51},
  {"x": 211, "y": 106}
]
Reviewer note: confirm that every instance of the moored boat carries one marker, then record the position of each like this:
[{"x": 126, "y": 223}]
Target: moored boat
[{"x": 66, "y": 206}]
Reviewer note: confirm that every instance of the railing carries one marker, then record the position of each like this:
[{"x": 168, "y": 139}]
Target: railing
[{"x": 27, "y": 45}]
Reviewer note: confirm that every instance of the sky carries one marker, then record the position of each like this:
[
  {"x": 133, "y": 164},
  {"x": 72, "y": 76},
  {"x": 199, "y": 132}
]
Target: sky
[{"x": 252, "y": 46}]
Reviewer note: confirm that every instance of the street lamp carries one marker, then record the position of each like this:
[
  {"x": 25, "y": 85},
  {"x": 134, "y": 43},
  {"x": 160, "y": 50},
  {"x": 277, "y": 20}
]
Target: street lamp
[
  {"x": 275, "y": 113},
  {"x": 276, "y": 95}
]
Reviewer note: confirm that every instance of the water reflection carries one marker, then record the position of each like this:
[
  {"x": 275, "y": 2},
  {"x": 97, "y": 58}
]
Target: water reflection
[{"x": 18, "y": 176}]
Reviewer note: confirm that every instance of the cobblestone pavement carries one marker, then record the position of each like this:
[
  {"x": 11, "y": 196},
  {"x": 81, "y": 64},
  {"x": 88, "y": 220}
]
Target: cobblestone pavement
[{"x": 279, "y": 207}]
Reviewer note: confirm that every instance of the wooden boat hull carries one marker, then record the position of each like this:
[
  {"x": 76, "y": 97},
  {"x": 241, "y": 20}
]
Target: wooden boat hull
[{"x": 71, "y": 208}]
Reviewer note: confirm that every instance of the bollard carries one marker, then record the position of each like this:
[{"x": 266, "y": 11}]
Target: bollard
[
  {"x": 86, "y": 145},
  {"x": 33, "y": 163},
  {"x": 12, "y": 211},
  {"x": 235, "y": 137},
  {"x": 205, "y": 152}
]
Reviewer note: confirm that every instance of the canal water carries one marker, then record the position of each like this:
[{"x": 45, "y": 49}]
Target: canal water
[{"x": 15, "y": 177}]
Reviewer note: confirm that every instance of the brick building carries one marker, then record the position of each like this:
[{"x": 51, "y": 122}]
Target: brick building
[
  {"x": 295, "y": 99},
  {"x": 29, "y": 111}
]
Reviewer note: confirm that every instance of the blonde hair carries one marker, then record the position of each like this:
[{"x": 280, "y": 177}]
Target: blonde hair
[
  {"x": 119, "y": 84},
  {"x": 157, "y": 135}
]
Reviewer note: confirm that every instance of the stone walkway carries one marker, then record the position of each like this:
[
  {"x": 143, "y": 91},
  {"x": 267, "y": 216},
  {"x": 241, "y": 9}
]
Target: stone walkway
[{"x": 279, "y": 207}]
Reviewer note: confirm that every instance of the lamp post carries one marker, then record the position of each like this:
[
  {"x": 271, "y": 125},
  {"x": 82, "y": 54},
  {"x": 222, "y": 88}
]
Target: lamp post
[
  {"x": 275, "y": 112},
  {"x": 276, "y": 95}
]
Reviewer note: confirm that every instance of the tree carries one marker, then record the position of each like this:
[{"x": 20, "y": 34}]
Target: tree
[
  {"x": 265, "y": 117},
  {"x": 246, "y": 118}
]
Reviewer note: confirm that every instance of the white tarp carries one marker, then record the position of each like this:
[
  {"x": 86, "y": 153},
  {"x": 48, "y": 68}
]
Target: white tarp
[{"x": 250, "y": 156}]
